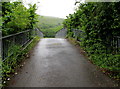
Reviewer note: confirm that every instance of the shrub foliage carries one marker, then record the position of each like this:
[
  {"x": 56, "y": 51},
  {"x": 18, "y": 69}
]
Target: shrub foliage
[
  {"x": 101, "y": 23},
  {"x": 16, "y": 17}
]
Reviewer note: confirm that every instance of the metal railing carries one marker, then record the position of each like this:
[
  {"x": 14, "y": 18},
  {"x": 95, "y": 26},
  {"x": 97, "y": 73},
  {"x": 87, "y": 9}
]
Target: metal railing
[
  {"x": 20, "y": 39},
  {"x": 78, "y": 34},
  {"x": 38, "y": 33},
  {"x": 116, "y": 43},
  {"x": 61, "y": 33}
]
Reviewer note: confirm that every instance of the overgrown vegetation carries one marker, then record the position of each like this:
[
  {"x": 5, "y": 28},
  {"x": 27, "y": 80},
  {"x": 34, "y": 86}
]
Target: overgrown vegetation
[
  {"x": 16, "y": 17},
  {"x": 100, "y": 23},
  {"x": 14, "y": 61},
  {"x": 49, "y": 25}
]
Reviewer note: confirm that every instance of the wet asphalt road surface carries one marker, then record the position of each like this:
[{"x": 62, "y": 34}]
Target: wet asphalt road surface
[{"x": 54, "y": 62}]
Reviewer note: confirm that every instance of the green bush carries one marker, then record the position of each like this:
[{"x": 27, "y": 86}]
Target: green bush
[
  {"x": 100, "y": 23},
  {"x": 16, "y": 17}
]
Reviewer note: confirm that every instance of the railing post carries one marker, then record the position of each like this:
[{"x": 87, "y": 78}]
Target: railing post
[
  {"x": 0, "y": 56},
  {"x": 117, "y": 44},
  {"x": 0, "y": 49}
]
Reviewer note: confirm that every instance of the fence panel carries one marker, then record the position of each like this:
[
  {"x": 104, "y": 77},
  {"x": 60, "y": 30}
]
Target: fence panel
[
  {"x": 61, "y": 33},
  {"x": 116, "y": 44},
  {"x": 8, "y": 42},
  {"x": 38, "y": 33},
  {"x": 0, "y": 49},
  {"x": 78, "y": 34},
  {"x": 19, "y": 39}
]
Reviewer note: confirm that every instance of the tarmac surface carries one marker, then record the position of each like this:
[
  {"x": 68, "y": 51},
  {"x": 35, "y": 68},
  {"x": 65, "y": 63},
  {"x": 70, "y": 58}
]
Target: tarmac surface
[{"x": 54, "y": 62}]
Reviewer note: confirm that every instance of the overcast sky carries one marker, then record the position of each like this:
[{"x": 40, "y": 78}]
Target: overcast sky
[{"x": 56, "y": 8}]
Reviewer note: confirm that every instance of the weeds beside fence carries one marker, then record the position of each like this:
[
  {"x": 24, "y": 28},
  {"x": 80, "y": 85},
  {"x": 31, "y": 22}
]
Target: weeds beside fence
[
  {"x": 19, "y": 39},
  {"x": 106, "y": 54},
  {"x": 8, "y": 42},
  {"x": 12, "y": 48}
]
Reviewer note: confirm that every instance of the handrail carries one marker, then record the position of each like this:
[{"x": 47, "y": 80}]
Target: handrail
[
  {"x": 20, "y": 38},
  {"x": 117, "y": 36},
  {"x": 14, "y": 34},
  {"x": 39, "y": 30}
]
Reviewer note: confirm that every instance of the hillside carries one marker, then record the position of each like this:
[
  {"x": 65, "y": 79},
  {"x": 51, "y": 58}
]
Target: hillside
[
  {"x": 49, "y": 25},
  {"x": 48, "y": 22}
]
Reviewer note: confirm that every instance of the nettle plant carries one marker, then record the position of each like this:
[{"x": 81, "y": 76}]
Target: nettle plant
[{"x": 11, "y": 62}]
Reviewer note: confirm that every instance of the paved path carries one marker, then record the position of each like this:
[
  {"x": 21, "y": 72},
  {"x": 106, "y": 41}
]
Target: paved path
[{"x": 56, "y": 63}]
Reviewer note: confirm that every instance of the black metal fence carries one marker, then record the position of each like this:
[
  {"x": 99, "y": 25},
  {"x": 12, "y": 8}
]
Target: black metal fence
[
  {"x": 115, "y": 42},
  {"x": 78, "y": 34},
  {"x": 38, "y": 33},
  {"x": 20, "y": 39}
]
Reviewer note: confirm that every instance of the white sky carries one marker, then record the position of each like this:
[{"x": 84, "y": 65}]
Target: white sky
[{"x": 55, "y": 8}]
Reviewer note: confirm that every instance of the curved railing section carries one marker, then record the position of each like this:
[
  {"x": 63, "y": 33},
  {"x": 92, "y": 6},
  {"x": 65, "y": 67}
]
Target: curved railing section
[{"x": 61, "y": 33}]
